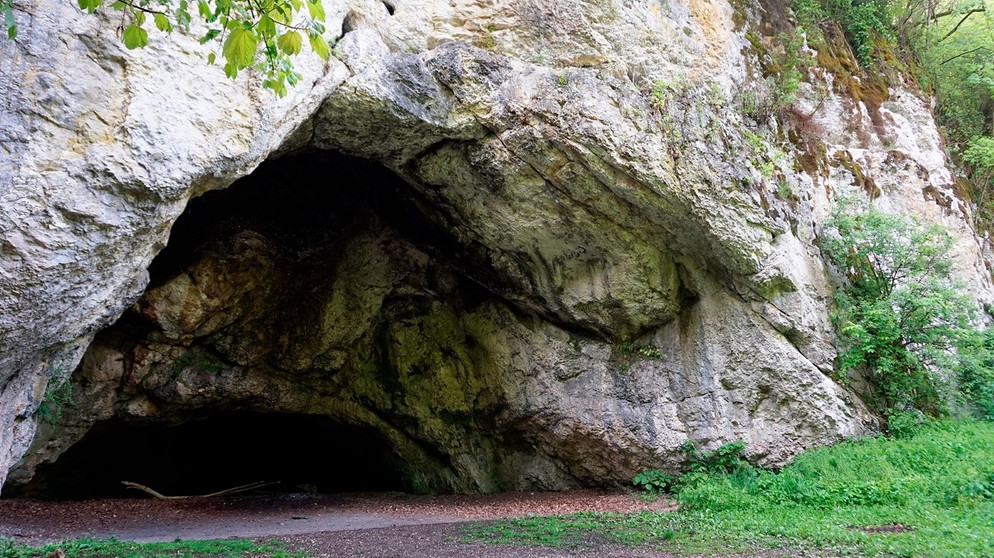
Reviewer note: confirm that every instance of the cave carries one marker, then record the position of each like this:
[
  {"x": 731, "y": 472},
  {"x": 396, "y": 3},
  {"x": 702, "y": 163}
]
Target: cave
[
  {"x": 258, "y": 265},
  {"x": 218, "y": 451}
]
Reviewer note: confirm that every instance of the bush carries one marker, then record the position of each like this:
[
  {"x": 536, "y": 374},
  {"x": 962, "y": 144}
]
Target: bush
[
  {"x": 653, "y": 480},
  {"x": 975, "y": 373},
  {"x": 58, "y": 397},
  {"x": 900, "y": 316},
  {"x": 727, "y": 459},
  {"x": 862, "y": 20}
]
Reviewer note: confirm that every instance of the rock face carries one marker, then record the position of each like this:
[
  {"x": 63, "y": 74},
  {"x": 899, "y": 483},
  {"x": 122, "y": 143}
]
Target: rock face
[{"x": 523, "y": 246}]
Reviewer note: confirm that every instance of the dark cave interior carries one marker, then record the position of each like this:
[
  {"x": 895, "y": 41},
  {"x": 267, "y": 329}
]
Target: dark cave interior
[
  {"x": 306, "y": 204},
  {"x": 218, "y": 451}
]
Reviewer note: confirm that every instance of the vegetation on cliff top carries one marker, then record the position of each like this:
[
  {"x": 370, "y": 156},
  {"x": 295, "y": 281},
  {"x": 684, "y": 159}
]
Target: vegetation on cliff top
[
  {"x": 956, "y": 57},
  {"x": 945, "y": 45}
]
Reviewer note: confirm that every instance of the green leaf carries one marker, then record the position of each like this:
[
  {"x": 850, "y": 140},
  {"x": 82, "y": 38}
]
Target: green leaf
[
  {"x": 282, "y": 13},
  {"x": 290, "y": 42},
  {"x": 231, "y": 70},
  {"x": 162, "y": 23},
  {"x": 240, "y": 47},
  {"x": 204, "y": 9},
  {"x": 278, "y": 87},
  {"x": 316, "y": 9},
  {"x": 210, "y": 35},
  {"x": 183, "y": 17},
  {"x": 211, "y": 58},
  {"x": 8, "y": 21},
  {"x": 89, "y": 5},
  {"x": 135, "y": 37},
  {"x": 320, "y": 46},
  {"x": 266, "y": 26},
  {"x": 139, "y": 18}
]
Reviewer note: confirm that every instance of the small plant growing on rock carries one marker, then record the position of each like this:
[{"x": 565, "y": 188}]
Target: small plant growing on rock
[
  {"x": 211, "y": 366},
  {"x": 663, "y": 91},
  {"x": 784, "y": 191},
  {"x": 646, "y": 351},
  {"x": 182, "y": 362},
  {"x": 716, "y": 96},
  {"x": 58, "y": 396},
  {"x": 660, "y": 91}
]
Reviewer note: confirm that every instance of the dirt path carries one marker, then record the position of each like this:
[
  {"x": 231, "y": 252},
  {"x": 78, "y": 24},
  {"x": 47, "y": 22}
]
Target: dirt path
[
  {"x": 382, "y": 525},
  {"x": 443, "y": 541},
  {"x": 282, "y": 515}
]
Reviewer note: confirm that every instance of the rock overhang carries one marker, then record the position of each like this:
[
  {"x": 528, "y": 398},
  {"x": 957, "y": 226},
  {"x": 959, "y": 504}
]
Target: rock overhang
[{"x": 600, "y": 214}]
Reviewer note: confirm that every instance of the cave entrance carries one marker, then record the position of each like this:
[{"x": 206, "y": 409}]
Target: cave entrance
[
  {"x": 301, "y": 211},
  {"x": 302, "y": 453}
]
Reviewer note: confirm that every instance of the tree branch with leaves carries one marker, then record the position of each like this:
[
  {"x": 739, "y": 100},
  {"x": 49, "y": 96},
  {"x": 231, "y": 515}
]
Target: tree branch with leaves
[{"x": 263, "y": 35}]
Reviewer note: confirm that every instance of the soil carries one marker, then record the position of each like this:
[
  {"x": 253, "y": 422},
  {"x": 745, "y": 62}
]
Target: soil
[{"x": 341, "y": 525}]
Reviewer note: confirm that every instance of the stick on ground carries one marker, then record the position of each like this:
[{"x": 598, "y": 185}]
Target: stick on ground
[{"x": 235, "y": 490}]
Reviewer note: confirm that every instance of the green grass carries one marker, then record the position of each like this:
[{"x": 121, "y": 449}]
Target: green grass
[
  {"x": 937, "y": 483},
  {"x": 112, "y": 548}
]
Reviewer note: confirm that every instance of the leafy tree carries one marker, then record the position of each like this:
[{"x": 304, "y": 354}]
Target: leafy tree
[
  {"x": 899, "y": 316},
  {"x": 956, "y": 50},
  {"x": 861, "y": 20},
  {"x": 980, "y": 156},
  {"x": 975, "y": 373},
  {"x": 953, "y": 44},
  {"x": 260, "y": 34}
]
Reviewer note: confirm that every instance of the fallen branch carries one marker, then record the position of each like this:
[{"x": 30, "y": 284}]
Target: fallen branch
[{"x": 235, "y": 490}]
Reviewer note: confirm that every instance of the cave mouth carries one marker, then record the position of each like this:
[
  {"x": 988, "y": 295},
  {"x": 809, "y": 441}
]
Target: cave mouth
[
  {"x": 301, "y": 453},
  {"x": 302, "y": 212}
]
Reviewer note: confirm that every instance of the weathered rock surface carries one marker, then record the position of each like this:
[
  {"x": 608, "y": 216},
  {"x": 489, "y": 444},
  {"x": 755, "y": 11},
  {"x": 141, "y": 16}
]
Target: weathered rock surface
[{"x": 594, "y": 244}]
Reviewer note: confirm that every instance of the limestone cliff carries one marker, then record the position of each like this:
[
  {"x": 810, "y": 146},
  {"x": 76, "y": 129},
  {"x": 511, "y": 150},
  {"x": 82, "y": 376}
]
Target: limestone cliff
[{"x": 529, "y": 245}]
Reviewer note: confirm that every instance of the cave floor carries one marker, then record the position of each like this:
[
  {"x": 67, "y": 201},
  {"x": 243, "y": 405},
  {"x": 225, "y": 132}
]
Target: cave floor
[
  {"x": 370, "y": 525},
  {"x": 303, "y": 516}
]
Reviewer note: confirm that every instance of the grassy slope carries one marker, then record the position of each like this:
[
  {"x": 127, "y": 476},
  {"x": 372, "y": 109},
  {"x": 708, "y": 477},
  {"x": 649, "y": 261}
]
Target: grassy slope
[{"x": 937, "y": 484}]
